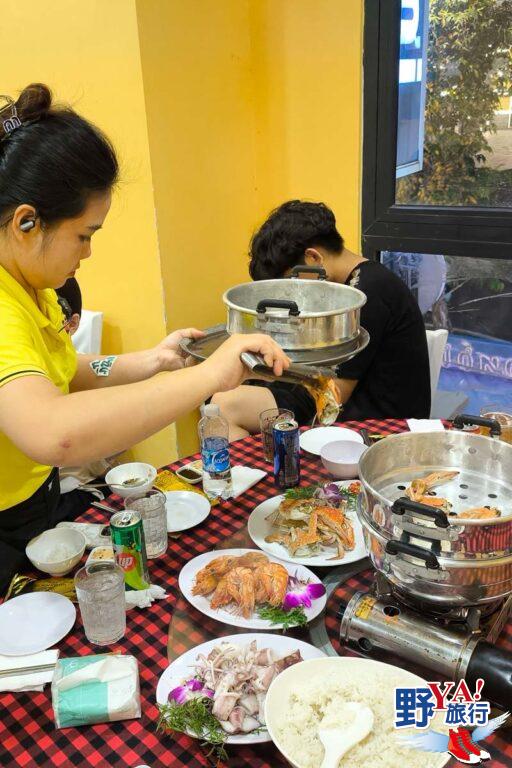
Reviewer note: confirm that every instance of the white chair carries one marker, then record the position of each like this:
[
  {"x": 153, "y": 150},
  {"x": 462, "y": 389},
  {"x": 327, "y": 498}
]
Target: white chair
[
  {"x": 87, "y": 338},
  {"x": 436, "y": 342}
]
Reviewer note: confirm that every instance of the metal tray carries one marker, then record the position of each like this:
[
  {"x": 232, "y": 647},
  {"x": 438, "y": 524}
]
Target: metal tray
[{"x": 200, "y": 349}]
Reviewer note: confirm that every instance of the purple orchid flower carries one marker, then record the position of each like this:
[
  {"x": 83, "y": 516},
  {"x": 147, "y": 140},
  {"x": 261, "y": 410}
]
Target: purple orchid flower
[
  {"x": 189, "y": 690},
  {"x": 301, "y": 593},
  {"x": 331, "y": 493}
]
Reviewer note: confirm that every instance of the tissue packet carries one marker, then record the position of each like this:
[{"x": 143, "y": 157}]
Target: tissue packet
[{"x": 95, "y": 689}]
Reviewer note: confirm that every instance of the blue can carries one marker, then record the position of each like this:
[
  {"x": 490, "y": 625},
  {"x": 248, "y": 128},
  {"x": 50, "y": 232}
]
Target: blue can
[{"x": 286, "y": 454}]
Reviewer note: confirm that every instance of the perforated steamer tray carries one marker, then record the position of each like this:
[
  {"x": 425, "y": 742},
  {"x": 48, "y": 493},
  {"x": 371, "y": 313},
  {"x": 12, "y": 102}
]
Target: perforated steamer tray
[{"x": 201, "y": 349}]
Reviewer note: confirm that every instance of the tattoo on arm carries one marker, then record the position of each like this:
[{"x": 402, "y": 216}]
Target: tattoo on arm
[{"x": 104, "y": 366}]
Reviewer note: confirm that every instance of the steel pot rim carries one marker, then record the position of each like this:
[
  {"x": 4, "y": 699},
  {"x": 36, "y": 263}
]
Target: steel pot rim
[
  {"x": 454, "y": 521},
  {"x": 303, "y": 315}
]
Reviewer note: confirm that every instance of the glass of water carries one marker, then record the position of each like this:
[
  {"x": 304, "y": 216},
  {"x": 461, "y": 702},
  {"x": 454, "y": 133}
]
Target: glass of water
[
  {"x": 267, "y": 420},
  {"x": 100, "y": 590},
  {"x": 151, "y": 506}
]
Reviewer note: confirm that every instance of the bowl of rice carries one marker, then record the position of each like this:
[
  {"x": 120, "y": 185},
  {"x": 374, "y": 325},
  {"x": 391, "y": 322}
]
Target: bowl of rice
[
  {"x": 312, "y": 694},
  {"x": 56, "y": 551}
]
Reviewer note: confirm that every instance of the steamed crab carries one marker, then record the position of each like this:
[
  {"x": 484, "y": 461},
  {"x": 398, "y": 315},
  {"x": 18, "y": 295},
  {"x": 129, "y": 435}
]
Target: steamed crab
[
  {"x": 304, "y": 525},
  {"x": 419, "y": 489},
  {"x": 327, "y": 397}
]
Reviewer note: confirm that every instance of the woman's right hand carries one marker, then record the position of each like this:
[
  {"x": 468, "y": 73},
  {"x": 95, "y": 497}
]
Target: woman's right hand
[{"x": 226, "y": 367}]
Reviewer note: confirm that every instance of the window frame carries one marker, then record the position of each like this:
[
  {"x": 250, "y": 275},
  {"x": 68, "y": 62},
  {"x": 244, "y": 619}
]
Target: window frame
[{"x": 449, "y": 230}]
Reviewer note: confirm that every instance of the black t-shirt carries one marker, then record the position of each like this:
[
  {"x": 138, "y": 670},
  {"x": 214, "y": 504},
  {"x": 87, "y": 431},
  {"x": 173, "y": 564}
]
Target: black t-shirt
[{"x": 393, "y": 371}]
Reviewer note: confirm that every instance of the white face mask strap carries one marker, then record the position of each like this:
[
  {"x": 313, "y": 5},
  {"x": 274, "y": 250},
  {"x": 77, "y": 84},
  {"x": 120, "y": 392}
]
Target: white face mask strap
[{"x": 104, "y": 366}]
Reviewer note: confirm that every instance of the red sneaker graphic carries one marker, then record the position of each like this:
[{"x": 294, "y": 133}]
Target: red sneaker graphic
[
  {"x": 470, "y": 745},
  {"x": 458, "y": 749}
]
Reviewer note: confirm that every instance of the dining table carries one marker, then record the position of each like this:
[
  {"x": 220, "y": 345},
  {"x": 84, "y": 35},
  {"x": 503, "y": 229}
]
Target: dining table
[{"x": 161, "y": 632}]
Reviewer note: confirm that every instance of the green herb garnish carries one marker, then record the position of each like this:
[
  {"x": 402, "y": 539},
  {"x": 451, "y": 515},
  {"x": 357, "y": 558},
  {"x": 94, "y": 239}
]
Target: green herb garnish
[
  {"x": 301, "y": 493},
  {"x": 277, "y": 615},
  {"x": 350, "y": 497},
  {"x": 194, "y": 717}
]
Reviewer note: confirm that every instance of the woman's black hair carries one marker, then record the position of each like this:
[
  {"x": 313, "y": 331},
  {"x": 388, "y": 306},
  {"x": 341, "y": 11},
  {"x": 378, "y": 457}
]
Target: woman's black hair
[
  {"x": 54, "y": 160},
  {"x": 282, "y": 240},
  {"x": 69, "y": 297}
]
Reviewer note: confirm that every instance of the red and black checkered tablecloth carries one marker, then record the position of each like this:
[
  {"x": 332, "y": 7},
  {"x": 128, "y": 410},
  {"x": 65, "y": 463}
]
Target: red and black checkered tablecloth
[{"x": 28, "y": 738}]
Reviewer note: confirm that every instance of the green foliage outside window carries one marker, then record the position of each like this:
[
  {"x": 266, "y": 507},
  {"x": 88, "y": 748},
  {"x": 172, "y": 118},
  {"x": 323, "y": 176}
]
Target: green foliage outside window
[{"x": 469, "y": 71}]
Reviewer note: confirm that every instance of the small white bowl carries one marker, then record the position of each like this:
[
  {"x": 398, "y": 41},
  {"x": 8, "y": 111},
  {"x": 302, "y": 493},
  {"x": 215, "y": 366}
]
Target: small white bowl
[
  {"x": 43, "y": 550},
  {"x": 341, "y": 458},
  {"x": 116, "y": 476}
]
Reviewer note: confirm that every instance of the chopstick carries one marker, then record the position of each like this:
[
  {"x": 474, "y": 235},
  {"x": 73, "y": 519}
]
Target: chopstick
[
  {"x": 111, "y": 509},
  {"x": 27, "y": 670},
  {"x": 39, "y": 667},
  {"x": 103, "y": 507}
]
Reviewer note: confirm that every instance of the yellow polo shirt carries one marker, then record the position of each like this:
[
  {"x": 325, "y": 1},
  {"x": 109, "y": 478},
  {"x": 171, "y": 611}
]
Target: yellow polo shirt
[{"x": 30, "y": 345}]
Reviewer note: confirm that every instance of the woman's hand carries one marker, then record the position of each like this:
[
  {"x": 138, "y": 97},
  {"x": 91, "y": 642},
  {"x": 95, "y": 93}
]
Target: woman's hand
[
  {"x": 226, "y": 368},
  {"x": 169, "y": 355}
]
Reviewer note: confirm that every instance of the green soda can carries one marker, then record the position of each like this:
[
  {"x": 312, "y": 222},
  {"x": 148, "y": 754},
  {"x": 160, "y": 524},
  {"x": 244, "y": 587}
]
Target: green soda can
[{"x": 130, "y": 548}]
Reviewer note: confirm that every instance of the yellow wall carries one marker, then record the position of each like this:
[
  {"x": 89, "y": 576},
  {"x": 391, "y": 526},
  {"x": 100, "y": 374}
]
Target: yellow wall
[
  {"x": 308, "y": 73},
  {"x": 249, "y": 103},
  {"x": 196, "y": 59},
  {"x": 88, "y": 53}
]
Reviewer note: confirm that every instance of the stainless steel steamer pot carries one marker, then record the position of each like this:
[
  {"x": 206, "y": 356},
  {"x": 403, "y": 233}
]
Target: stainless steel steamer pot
[
  {"x": 425, "y": 552},
  {"x": 299, "y": 314}
]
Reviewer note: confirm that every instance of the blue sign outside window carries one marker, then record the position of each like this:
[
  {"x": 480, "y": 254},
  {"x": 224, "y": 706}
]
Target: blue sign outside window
[{"x": 412, "y": 86}]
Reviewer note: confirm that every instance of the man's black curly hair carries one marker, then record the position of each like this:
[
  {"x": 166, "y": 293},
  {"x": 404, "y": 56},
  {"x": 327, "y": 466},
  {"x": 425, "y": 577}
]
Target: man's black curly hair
[{"x": 282, "y": 240}]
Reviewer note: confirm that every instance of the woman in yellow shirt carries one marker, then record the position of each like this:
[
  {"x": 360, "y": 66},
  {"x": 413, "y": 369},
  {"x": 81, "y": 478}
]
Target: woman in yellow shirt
[{"x": 56, "y": 408}]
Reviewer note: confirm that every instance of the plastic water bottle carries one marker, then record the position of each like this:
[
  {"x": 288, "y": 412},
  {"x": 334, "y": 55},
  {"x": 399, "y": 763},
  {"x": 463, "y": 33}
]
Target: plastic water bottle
[{"x": 213, "y": 433}]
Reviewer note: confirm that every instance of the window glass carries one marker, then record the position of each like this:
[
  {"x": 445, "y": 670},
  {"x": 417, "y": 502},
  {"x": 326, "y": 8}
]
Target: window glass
[
  {"x": 454, "y": 139},
  {"x": 472, "y": 300}
]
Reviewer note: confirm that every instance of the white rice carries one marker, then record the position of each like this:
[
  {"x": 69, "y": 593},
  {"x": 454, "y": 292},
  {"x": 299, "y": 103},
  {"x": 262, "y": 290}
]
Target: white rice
[
  {"x": 310, "y": 705},
  {"x": 58, "y": 552}
]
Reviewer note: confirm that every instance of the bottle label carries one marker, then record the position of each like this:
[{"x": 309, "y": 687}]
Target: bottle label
[{"x": 215, "y": 455}]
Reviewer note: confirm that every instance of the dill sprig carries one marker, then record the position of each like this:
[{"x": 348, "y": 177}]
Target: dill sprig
[
  {"x": 351, "y": 497},
  {"x": 307, "y": 492},
  {"x": 277, "y": 615},
  {"x": 194, "y": 717}
]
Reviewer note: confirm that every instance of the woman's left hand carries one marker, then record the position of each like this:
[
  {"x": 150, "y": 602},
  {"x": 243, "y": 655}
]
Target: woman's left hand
[{"x": 170, "y": 356}]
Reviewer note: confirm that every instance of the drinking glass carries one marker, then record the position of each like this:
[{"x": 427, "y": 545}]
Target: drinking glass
[
  {"x": 151, "y": 506},
  {"x": 100, "y": 590},
  {"x": 267, "y": 420},
  {"x": 503, "y": 415}
]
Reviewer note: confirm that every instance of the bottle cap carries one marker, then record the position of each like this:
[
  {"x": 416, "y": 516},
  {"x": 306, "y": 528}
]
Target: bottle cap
[{"x": 211, "y": 410}]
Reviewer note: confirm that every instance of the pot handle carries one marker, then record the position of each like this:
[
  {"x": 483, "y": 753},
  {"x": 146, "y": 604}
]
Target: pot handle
[
  {"x": 291, "y": 306},
  {"x": 303, "y": 269},
  {"x": 462, "y": 419},
  {"x": 394, "y": 547},
  {"x": 403, "y": 505}
]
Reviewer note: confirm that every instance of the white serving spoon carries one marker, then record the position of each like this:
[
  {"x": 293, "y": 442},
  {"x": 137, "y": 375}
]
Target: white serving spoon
[{"x": 338, "y": 741}]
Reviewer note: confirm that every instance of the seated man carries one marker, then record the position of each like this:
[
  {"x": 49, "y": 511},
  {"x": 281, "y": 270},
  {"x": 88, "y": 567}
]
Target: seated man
[
  {"x": 72, "y": 499},
  {"x": 390, "y": 378}
]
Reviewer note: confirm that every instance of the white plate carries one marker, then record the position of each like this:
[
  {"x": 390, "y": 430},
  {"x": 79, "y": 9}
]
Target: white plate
[
  {"x": 187, "y": 579},
  {"x": 344, "y": 668},
  {"x": 182, "y": 668},
  {"x": 34, "y": 622},
  {"x": 313, "y": 440},
  {"x": 185, "y": 509},
  {"x": 259, "y": 528}
]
